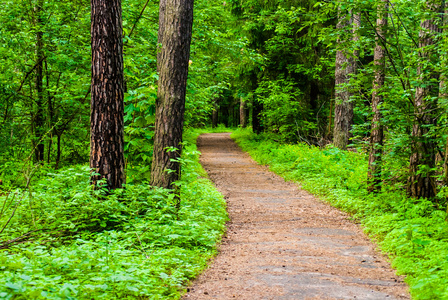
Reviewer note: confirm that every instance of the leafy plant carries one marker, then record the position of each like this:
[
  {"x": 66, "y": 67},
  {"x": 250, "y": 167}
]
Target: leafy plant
[{"x": 69, "y": 241}]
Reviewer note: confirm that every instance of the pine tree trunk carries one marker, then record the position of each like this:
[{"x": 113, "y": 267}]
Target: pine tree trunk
[
  {"x": 377, "y": 132},
  {"x": 39, "y": 117},
  {"x": 162, "y": 9},
  {"x": 170, "y": 106},
  {"x": 243, "y": 113},
  {"x": 106, "y": 115},
  {"x": 345, "y": 67},
  {"x": 421, "y": 181},
  {"x": 443, "y": 96}
]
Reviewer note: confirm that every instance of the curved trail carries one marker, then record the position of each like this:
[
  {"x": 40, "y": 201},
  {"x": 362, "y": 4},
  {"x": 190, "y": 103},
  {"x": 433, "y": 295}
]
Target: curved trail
[{"x": 283, "y": 243}]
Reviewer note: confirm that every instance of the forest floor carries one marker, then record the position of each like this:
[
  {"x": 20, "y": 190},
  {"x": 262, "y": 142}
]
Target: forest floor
[{"x": 282, "y": 242}]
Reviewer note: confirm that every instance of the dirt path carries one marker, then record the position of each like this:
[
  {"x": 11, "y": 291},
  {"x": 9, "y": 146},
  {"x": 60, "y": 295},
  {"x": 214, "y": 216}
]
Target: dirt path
[{"x": 282, "y": 243}]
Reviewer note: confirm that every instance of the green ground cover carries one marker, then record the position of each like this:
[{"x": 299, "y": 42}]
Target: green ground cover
[
  {"x": 414, "y": 232},
  {"x": 83, "y": 244}
]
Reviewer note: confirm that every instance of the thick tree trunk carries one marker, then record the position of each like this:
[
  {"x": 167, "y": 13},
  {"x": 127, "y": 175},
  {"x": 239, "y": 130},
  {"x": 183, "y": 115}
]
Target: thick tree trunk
[
  {"x": 344, "y": 68},
  {"x": 170, "y": 105},
  {"x": 422, "y": 161},
  {"x": 106, "y": 115},
  {"x": 215, "y": 118},
  {"x": 39, "y": 116},
  {"x": 377, "y": 132},
  {"x": 356, "y": 25},
  {"x": 162, "y": 9},
  {"x": 243, "y": 113}
]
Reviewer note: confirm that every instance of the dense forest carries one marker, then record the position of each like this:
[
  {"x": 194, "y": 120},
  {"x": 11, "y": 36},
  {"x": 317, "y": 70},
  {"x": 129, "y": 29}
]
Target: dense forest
[{"x": 363, "y": 82}]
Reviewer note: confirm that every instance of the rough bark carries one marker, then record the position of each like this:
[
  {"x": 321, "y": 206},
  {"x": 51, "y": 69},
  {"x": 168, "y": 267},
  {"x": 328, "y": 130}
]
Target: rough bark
[
  {"x": 421, "y": 181},
  {"x": 106, "y": 115},
  {"x": 170, "y": 106},
  {"x": 243, "y": 113},
  {"x": 162, "y": 9},
  {"x": 377, "y": 132},
  {"x": 443, "y": 96},
  {"x": 39, "y": 116},
  {"x": 356, "y": 25},
  {"x": 344, "y": 68}
]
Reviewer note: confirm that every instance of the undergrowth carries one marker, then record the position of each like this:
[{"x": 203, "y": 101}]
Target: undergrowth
[
  {"x": 66, "y": 241},
  {"x": 414, "y": 232}
]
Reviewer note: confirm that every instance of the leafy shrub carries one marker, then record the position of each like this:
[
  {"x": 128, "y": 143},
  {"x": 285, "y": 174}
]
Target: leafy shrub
[{"x": 133, "y": 244}]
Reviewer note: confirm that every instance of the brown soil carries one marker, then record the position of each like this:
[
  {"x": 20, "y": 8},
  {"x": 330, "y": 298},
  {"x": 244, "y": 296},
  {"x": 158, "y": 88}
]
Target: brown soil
[{"x": 282, "y": 242}]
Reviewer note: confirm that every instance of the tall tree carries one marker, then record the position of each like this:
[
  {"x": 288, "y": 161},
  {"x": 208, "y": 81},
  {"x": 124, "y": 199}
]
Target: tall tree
[
  {"x": 243, "y": 113},
  {"x": 106, "y": 116},
  {"x": 443, "y": 92},
  {"x": 175, "y": 37},
  {"x": 422, "y": 161},
  {"x": 344, "y": 68},
  {"x": 215, "y": 112},
  {"x": 39, "y": 114},
  {"x": 162, "y": 9},
  {"x": 377, "y": 132}
]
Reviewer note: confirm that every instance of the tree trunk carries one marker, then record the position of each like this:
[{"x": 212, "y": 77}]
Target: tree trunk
[
  {"x": 243, "y": 113},
  {"x": 224, "y": 113},
  {"x": 257, "y": 108},
  {"x": 50, "y": 145},
  {"x": 58, "y": 147},
  {"x": 107, "y": 108},
  {"x": 421, "y": 180},
  {"x": 377, "y": 133},
  {"x": 215, "y": 114},
  {"x": 50, "y": 112},
  {"x": 443, "y": 96},
  {"x": 236, "y": 114},
  {"x": 162, "y": 9},
  {"x": 39, "y": 117},
  {"x": 170, "y": 105},
  {"x": 344, "y": 68}
]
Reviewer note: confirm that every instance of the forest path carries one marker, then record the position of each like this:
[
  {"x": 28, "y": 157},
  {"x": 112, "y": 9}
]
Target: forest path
[{"x": 283, "y": 243}]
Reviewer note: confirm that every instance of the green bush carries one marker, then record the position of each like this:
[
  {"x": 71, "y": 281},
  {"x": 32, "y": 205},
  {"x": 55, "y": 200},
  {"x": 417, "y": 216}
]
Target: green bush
[{"x": 133, "y": 244}]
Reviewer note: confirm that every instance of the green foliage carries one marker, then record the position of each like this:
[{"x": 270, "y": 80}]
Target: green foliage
[
  {"x": 293, "y": 77},
  {"x": 219, "y": 50},
  {"x": 74, "y": 242},
  {"x": 282, "y": 105},
  {"x": 414, "y": 232}
]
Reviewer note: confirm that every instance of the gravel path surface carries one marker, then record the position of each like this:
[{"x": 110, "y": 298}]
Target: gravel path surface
[{"x": 282, "y": 242}]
